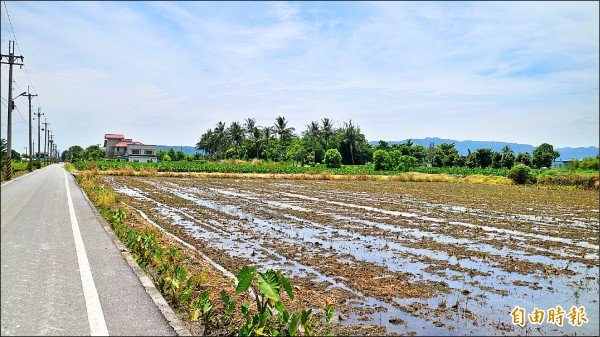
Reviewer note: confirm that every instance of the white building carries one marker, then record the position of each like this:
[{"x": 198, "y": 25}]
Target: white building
[{"x": 121, "y": 148}]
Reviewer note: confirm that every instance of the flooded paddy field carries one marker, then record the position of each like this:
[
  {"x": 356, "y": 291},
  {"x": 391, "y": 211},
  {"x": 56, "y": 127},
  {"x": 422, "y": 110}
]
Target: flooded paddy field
[{"x": 398, "y": 257}]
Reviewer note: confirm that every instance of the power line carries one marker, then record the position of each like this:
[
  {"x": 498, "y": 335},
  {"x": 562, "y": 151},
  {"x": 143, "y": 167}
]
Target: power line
[{"x": 14, "y": 36}]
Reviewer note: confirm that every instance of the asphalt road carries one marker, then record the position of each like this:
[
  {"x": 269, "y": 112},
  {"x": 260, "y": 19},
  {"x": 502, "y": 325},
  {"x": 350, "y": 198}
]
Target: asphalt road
[{"x": 62, "y": 274}]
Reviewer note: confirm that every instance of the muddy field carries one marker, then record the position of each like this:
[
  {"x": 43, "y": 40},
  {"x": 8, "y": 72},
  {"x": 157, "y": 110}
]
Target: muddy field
[{"x": 397, "y": 257}]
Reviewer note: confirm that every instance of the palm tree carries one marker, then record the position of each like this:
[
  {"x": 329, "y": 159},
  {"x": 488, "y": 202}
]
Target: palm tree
[
  {"x": 267, "y": 133},
  {"x": 220, "y": 139},
  {"x": 351, "y": 137},
  {"x": 204, "y": 143},
  {"x": 236, "y": 134},
  {"x": 249, "y": 125},
  {"x": 284, "y": 133},
  {"x": 256, "y": 139},
  {"x": 282, "y": 130},
  {"x": 327, "y": 131},
  {"x": 314, "y": 131}
]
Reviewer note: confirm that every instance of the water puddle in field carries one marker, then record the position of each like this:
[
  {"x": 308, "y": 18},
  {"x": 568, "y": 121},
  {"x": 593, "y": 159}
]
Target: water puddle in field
[{"x": 251, "y": 226}]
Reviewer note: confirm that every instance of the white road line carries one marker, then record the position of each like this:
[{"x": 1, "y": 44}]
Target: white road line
[{"x": 92, "y": 302}]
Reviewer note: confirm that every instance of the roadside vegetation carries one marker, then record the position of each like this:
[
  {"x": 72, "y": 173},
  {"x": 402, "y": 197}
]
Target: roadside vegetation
[
  {"x": 256, "y": 303},
  {"x": 324, "y": 149},
  {"x": 19, "y": 163}
]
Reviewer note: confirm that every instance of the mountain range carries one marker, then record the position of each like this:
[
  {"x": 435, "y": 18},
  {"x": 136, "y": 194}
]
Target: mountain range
[{"x": 566, "y": 153}]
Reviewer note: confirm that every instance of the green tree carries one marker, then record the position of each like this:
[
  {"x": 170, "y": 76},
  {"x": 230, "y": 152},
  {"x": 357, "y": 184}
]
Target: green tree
[
  {"x": 236, "y": 134},
  {"x": 314, "y": 131},
  {"x": 496, "y": 159},
  {"x": 205, "y": 143},
  {"x": 352, "y": 138},
  {"x": 179, "y": 155},
  {"x": 508, "y": 157},
  {"x": 382, "y": 145},
  {"x": 160, "y": 154},
  {"x": 395, "y": 158},
  {"x": 589, "y": 163},
  {"x": 333, "y": 158},
  {"x": 524, "y": 158},
  {"x": 328, "y": 131},
  {"x": 257, "y": 140},
  {"x": 471, "y": 161},
  {"x": 484, "y": 157},
  {"x": 444, "y": 155},
  {"x": 77, "y": 153},
  {"x": 407, "y": 163},
  {"x": 544, "y": 155},
  {"x": 93, "y": 152},
  {"x": 167, "y": 158},
  {"x": 381, "y": 160},
  {"x": 520, "y": 174},
  {"x": 171, "y": 154},
  {"x": 296, "y": 153},
  {"x": 249, "y": 125}
]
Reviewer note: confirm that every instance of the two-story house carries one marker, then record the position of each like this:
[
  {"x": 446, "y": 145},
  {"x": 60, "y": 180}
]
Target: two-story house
[{"x": 121, "y": 148}]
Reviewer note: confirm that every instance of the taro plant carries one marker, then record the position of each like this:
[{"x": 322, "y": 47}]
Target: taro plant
[
  {"x": 175, "y": 283},
  {"x": 267, "y": 292},
  {"x": 202, "y": 306}
]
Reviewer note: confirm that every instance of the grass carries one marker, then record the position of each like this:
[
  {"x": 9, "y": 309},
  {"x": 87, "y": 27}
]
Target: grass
[{"x": 562, "y": 178}]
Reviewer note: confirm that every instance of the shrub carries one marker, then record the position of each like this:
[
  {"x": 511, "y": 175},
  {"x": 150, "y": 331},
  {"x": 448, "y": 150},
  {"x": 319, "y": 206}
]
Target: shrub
[
  {"x": 520, "y": 174},
  {"x": 406, "y": 163},
  {"x": 333, "y": 158},
  {"x": 381, "y": 160}
]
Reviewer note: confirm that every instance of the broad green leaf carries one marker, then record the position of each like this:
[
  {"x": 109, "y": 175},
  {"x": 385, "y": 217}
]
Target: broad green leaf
[
  {"x": 280, "y": 307},
  {"x": 244, "y": 308},
  {"x": 287, "y": 286},
  {"x": 268, "y": 284},
  {"x": 293, "y": 324},
  {"x": 225, "y": 297},
  {"x": 186, "y": 294},
  {"x": 245, "y": 277},
  {"x": 305, "y": 316}
]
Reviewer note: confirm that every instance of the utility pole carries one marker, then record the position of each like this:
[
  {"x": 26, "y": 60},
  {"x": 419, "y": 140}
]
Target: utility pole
[
  {"x": 38, "y": 114},
  {"x": 10, "y": 60},
  {"x": 51, "y": 141},
  {"x": 30, "y": 145},
  {"x": 45, "y": 129}
]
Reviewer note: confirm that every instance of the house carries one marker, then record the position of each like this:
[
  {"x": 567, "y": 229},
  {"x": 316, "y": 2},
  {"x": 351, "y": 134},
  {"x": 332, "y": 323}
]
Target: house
[
  {"x": 121, "y": 148},
  {"x": 558, "y": 164}
]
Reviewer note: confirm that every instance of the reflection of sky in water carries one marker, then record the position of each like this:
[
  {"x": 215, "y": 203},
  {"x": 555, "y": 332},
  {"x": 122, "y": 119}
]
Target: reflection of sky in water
[{"x": 249, "y": 234}]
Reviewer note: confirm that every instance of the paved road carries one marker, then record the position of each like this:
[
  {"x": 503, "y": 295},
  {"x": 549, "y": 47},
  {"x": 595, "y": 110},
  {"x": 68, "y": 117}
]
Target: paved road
[{"x": 62, "y": 274}]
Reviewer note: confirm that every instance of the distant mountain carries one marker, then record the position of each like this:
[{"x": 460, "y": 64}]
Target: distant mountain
[
  {"x": 186, "y": 149},
  {"x": 566, "y": 153}
]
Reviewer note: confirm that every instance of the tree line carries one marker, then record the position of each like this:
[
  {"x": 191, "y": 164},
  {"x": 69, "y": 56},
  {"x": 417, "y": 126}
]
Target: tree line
[{"x": 279, "y": 142}]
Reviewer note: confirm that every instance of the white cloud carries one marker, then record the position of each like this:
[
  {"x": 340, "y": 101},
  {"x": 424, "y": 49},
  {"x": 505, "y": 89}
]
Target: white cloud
[{"x": 164, "y": 72}]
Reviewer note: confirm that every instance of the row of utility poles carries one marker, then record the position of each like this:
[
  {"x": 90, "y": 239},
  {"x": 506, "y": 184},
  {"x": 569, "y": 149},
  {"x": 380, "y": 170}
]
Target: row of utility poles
[{"x": 50, "y": 149}]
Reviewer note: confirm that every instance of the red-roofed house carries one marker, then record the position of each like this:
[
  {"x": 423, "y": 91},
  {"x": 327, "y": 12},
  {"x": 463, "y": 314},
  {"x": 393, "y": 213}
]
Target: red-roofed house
[{"x": 119, "y": 147}]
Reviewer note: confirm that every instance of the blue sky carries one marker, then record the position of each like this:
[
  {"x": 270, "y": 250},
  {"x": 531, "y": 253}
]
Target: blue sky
[{"x": 165, "y": 72}]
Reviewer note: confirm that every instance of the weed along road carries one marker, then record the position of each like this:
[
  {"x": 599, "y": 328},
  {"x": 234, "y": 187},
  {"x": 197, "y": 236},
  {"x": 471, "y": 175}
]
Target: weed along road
[{"x": 62, "y": 273}]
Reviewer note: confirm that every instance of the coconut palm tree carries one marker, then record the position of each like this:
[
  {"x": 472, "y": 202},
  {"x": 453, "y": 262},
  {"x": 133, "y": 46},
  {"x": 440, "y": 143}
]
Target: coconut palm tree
[
  {"x": 268, "y": 134},
  {"x": 257, "y": 139},
  {"x": 351, "y": 133},
  {"x": 236, "y": 134},
  {"x": 249, "y": 125},
  {"x": 328, "y": 131},
  {"x": 314, "y": 132},
  {"x": 204, "y": 143},
  {"x": 282, "y": 130}
]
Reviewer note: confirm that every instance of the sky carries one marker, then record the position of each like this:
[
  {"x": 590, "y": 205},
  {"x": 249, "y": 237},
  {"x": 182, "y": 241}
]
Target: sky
[{"x": 165, "y": 72}]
